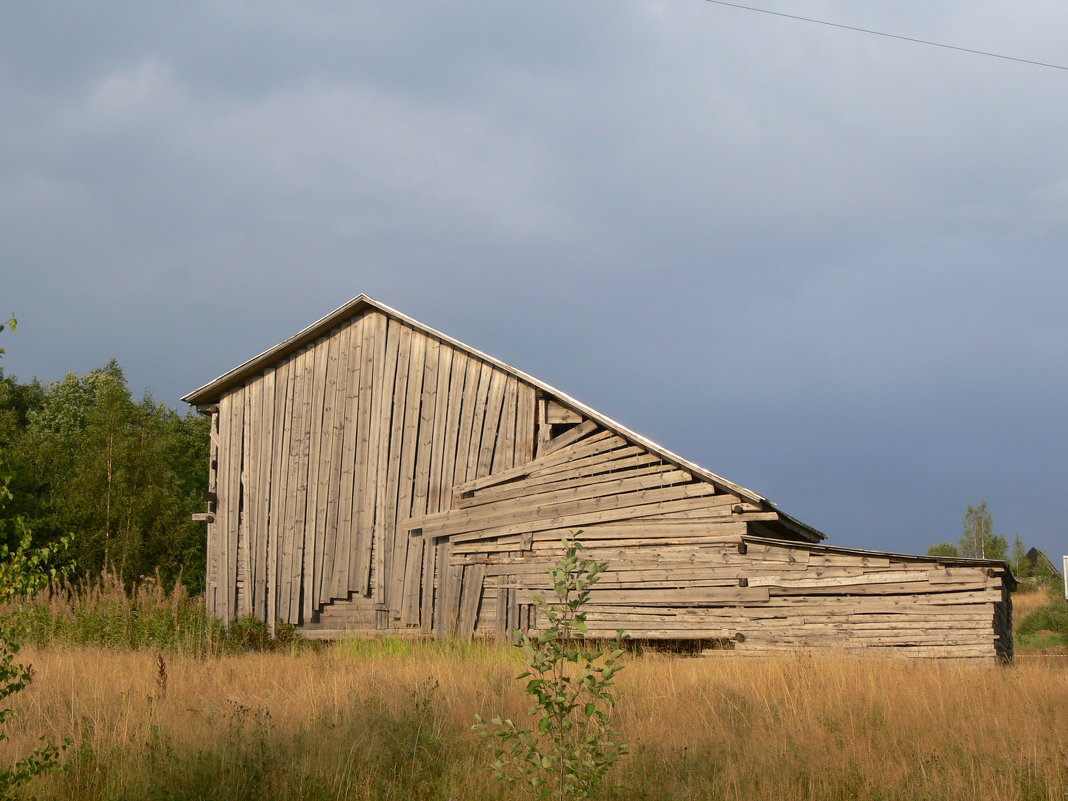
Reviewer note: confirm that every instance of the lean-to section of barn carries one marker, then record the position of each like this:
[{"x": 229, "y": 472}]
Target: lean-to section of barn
[{"x": 683, "y": 565}]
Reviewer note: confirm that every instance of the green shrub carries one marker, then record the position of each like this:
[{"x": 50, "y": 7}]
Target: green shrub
[
  {"x": 1051, "y": 617},
  {"x": 572, "y": 746}
]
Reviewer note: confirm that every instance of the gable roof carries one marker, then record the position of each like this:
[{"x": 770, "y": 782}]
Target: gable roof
[{"x": 211, "y": 392}]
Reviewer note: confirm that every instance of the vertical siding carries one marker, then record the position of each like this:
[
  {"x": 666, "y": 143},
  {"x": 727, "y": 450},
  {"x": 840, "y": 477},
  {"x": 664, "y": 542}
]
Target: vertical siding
[{"x": 324, "y": 454}]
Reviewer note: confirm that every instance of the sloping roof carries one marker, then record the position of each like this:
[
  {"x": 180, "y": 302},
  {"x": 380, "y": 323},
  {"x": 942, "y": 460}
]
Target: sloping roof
[
  {"x": 947, "y": 561},
  {"x": 210, "y": 392}
]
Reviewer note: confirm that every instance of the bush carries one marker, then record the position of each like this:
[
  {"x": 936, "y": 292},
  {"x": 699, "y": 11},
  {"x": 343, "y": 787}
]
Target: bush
[
  {"x": 1051, "y": 617},
  {"x": 572, "y": 746}
]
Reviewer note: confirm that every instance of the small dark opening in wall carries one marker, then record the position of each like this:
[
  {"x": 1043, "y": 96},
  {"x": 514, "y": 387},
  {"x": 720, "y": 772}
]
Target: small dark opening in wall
[
  {"x": 679, "y": 647},
  {"x": 556, "y": 429}
]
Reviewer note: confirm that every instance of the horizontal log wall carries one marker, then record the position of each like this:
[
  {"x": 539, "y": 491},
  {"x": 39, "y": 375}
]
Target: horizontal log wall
[
  {"x": 760, "y": 596},
  {"x": 682, "y": 566}
]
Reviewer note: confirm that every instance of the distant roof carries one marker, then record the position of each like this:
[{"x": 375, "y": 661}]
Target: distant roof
[{"x": 211, "y": 392}]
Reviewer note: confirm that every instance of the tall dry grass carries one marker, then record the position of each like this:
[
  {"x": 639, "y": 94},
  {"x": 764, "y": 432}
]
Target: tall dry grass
[
  {"x": 392, "y": 721},
  {"x": 104, "y": 611},
  {"x": 1024, "y": 603}
]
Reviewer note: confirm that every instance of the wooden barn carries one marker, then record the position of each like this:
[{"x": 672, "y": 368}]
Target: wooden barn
[{"x": 371, "y": 473}]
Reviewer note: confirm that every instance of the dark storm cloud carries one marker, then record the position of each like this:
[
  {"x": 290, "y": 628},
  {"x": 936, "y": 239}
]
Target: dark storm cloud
[{"x": 827, "y": 266}]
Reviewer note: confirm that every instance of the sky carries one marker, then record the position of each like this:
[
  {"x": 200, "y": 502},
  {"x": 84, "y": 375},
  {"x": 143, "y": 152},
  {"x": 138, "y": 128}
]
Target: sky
[{"x": 826, "y": 265}]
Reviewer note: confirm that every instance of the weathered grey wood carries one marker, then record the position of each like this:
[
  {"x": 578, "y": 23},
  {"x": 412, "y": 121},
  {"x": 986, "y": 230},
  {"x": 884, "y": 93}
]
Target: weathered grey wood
[
  {"x": 275, "y": 532},
  {"x": 299, "y": 509},
  {"x": 592, "y": 446},
  {"x": 386, "y": 516},
  {"x": 478, "y": 410},
  {"x": 336, "y": 419},
  {"x": 543, "y": 492},
  {"x": 556, "y": 412},
  {"x": 438, "y": 492},
  {"x": 327, "y": 459},
  {"x": 371, "y": 364},
  {"x": 387, "y": 347},
  {"x": 504, "y": 452},
  {"x": 406, "y": 456},
  {"x": 451, "y": 443},
  {"x": 315, "y": 514},
  {"x": 468, "y": 398},
  {"x": 525, "y": 426},
  {"x": 471, "y": 595},
  {"x": 569, "y": 437}
]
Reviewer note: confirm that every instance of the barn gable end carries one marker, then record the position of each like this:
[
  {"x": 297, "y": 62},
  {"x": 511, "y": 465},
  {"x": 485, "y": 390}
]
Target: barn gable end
[{"x": 371, "y": 473}]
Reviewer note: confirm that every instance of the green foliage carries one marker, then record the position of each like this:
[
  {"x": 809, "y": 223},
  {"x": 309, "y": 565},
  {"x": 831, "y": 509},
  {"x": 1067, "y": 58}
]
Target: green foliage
[
  {"x": 23, "y": 571},
  {"x": 572, "y": 745},
  {"x": 978, "y": 540},
  {"x": 126, "y": 475},
  {"x": 1021, "y": 565},
  {"x": 943, "y": 549},
  {"x": 1051, "y": 617},
  {"x": 12, "y": 323}
]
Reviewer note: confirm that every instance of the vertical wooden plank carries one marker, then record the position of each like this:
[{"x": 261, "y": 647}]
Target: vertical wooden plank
[
  {"x": 412, "y": 567},
  {"x": 426, "y": 587},
  {"x": 441, "y": 572},
  {"x": 544, "y": 430},
  {"x": 425, "y": 452},
  {"x": 490, "y": 423},
  {"x": 215, "y": 527},
  {"x": 437, "y": 435},
  {"x": 451, "y": 595},
  {"x": 386, "y": 524},
  {"x": 264, "y": 457},
  {"x": 334, "y": 432},
  {"x": 292, "y": 543},
  {"x": 314, "y": 522},
  {"x": 222, "y": 511},
  {"x": 524, "y": 424},
  {"x": 468, "y": 402},
  {"x": 233, "y": 493},
  {"x": 244, "y": 549},
  {"x": 279, "y": 475},
  {"x": 470, "y": 599},
  {"x": 504, "y": 453},
  {"x": 406, "y": 457},
  {"x": 427, "y": 426},
  {"x": 346, "y": 540},
  {"x": 485, "y": 378},
  {"x": 300, "y": 517},
  {"x": 454, "y": 414},
  {"x": 372, "y": 367},
  {"x": 385, "y": 388},
  {"x": 500, "y": 631}
]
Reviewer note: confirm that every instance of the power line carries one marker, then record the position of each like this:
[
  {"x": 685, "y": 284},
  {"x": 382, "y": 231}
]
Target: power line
[{"x": 888, "y": 35}]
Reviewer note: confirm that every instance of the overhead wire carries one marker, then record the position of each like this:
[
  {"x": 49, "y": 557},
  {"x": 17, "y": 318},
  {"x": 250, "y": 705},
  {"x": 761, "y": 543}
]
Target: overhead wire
[{"x": 888, "y": 35}]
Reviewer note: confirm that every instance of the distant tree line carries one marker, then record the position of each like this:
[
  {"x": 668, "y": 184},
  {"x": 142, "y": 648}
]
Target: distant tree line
[
  {"x": 82, "y": 457},
  {"x": 978, "y": 541}
]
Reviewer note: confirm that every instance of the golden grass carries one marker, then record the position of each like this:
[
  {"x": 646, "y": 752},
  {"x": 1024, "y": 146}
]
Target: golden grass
[
  {"x": 1024, "y": 603},
  {"x": 393, "y": 722}
]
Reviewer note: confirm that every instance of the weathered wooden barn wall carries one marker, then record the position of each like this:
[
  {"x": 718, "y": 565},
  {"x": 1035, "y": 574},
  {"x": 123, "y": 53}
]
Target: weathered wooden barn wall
[
  {"x": 322, "y": 454},
  {"x": 372, "y": 474}
]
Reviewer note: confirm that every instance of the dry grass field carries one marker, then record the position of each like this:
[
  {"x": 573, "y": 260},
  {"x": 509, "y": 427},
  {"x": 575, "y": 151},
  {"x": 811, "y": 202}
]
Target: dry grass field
[{"x": 391, "y": 720}]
